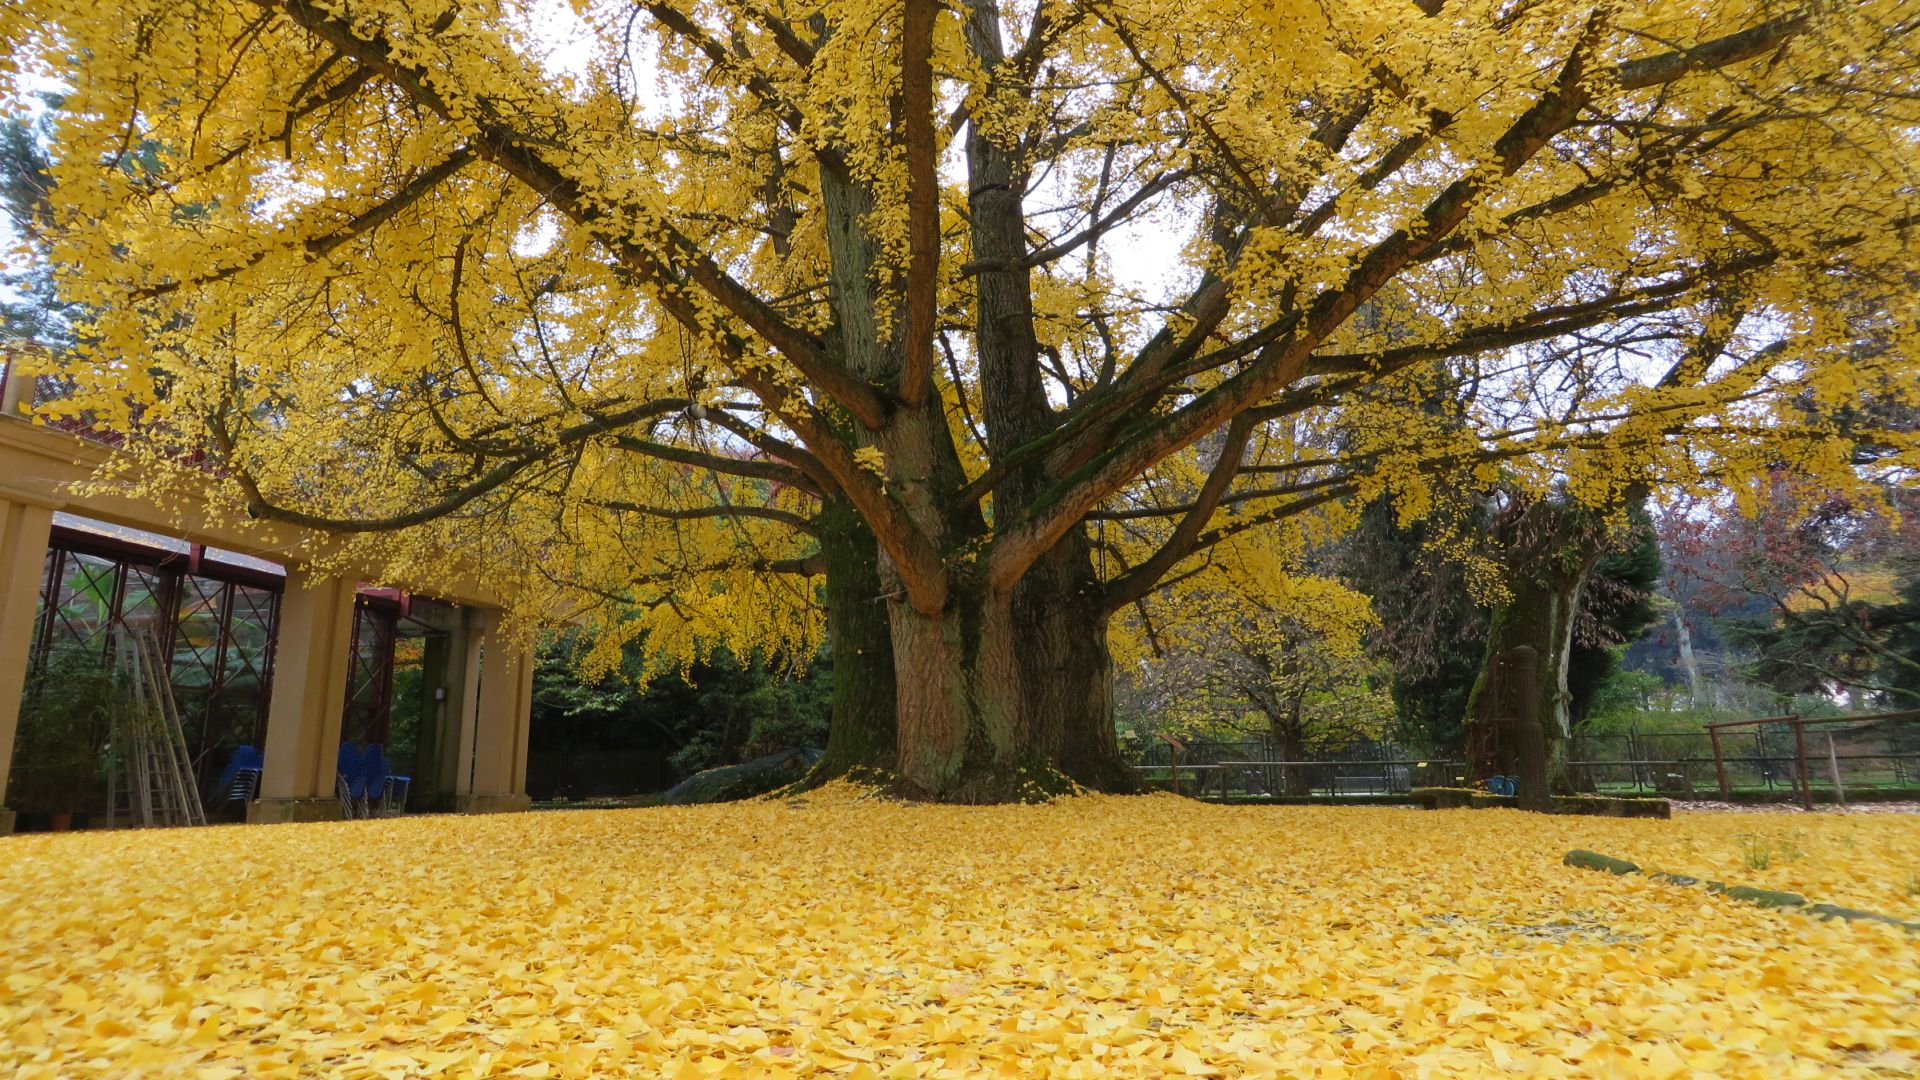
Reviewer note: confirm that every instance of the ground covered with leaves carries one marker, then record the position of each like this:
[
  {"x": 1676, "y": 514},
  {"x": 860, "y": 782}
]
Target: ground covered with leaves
[{"x": 860, "y": 937}]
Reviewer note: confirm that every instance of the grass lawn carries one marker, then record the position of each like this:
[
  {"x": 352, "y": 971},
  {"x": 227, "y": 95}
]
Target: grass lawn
[{"x": 838, "y": 936}]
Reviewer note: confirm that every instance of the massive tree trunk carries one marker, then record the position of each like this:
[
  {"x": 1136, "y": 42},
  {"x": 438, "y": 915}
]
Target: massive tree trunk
[
  {"x": 999, "y": 693},
  {"x": 1008, "y": 696}
]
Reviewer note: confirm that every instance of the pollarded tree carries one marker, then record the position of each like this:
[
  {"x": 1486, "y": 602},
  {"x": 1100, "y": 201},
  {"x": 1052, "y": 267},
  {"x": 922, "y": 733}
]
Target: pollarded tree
[{"x": 987, "y": 269}]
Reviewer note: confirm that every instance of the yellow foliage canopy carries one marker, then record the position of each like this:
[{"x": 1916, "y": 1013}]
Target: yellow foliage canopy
[{"x": 381, "y": 258}]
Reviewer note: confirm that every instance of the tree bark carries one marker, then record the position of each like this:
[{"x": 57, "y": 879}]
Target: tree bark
[
  {"x": 861, "y": 736},
  {"x": 1540, "y": 615},
  {"x": 1061, "y": 616},
  {"x": 1290, "y": 733},
  {"x": 1008, "y": 696}
]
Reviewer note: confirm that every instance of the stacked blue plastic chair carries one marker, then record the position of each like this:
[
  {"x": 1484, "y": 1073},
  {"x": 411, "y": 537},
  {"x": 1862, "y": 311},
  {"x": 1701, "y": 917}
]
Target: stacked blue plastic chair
[
  {"x": 346, "y": 767},
  {"x": 393, "y": 793},
  {"x": 360, "y": 782},
  {"x": 373, "y": 774},
  {"x": 240, "y": 781},
  {"x": 367, "y": 785}
]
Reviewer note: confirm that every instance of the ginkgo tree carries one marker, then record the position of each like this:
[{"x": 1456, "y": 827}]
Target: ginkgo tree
[
  {"x": 682, "y": 275},
  {"x": 1251, "y": 646}
]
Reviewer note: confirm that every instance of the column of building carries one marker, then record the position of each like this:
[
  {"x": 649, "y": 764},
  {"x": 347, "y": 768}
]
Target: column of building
[
  {"x": 311, "y": 655},
  {"x": 498, "y": 694},
  {"x": 471, "y": 751},
  {"x": 25, "y": 524}
]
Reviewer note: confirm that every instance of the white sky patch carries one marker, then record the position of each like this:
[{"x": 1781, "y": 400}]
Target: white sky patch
[
  {"x": 537, "y": 237},
  {"x": 557, "y": 37}
]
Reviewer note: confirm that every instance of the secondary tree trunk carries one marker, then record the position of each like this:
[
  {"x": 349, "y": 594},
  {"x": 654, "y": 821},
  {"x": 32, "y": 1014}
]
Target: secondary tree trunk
[
  {"x": 1067, "y": 667},
  {"x": 1290, "y": 733},
  {"x": 862, "y": 733},
  {"x": 1539, "y": 616}
]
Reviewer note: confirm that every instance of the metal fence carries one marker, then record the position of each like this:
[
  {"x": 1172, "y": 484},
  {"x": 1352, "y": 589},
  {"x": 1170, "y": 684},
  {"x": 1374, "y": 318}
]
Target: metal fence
[
  {"x": 1875, "y": 754},
  {"x": 1870, "y": 754},
  {"x": 1259, "y": 768}
]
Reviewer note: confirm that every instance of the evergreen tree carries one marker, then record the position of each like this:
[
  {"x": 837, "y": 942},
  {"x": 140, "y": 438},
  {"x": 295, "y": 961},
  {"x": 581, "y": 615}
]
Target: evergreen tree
[
  {"x": 1431, "y": 631},
  {"x": 31, "y": 310}
]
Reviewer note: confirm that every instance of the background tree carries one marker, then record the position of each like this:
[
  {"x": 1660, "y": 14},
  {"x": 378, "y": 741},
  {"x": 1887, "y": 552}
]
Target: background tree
[
  {"x": 1254, "y": 643},
  {"x": 720, "y": 711},
  {"x": 1555, "y": 603},
  {"x": 1689, "y": 649},
  {"x": 1420, "y": 576},
  {"x": 31, "y": 311},
  {"x": 707, "y": 218},
  {"x": 1837, "y": 583}
]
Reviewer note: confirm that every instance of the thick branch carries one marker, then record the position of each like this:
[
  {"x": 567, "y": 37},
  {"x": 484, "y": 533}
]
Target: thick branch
[
  {"x": 698, "y": 513},
  {"x": 364, "y": 222},
  {"x": 923, "y": 199},
  {"x": 684, "y": 262},
  {"x": 1093, "y": 231},
  {"x": 259, "y": 506},
  {"x": 1280, "y": 364},
  {"x": 773, "y": 472},
  {"x": 1140, "y": 580}
]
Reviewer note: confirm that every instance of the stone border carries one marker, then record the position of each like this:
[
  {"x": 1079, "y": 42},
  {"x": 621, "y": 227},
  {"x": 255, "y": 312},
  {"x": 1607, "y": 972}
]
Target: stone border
[
  {"x": 1449, "y": 798},
  {"x": 1766, "y": 898}
]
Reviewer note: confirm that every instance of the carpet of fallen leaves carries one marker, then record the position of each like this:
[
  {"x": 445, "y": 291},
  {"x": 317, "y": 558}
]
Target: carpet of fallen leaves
[{"x": 858, "y": 937}]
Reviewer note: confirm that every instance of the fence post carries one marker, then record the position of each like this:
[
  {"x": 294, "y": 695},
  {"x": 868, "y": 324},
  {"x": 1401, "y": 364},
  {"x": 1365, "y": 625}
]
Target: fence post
[
  {"x": 1633, "y": 757},
  {"x": 1833, "y": 766},
  {"x": 1719, "y": 764},
  {"x": 1800, "y": 764}
]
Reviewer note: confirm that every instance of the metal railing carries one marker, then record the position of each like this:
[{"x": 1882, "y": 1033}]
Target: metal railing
[
  {"x": 1768, "y": 757},
  {"x": 1330, "y": 779},
  {"x": 1891, "y": 741}
]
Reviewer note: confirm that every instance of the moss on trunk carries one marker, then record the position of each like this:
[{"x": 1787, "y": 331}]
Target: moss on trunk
[
  {"x": 861, "y": 735},
  {"x": 1523, "y": 729}
]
